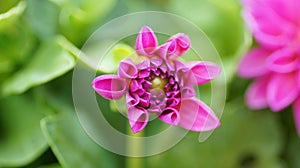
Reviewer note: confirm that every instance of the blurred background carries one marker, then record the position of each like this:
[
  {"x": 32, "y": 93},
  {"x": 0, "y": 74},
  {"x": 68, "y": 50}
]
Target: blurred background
[{"x": 39, "y": 44}]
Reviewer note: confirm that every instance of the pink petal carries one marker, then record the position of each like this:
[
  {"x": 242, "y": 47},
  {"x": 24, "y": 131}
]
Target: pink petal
[
  {"x": 132, "y": 100},
  {"x": 127, "y": 69},
  {"x": 187, "y": 91},
  {"x": 204, "y": 71},
  {"x": 182, "y": 43},
  {"x": 256, "y": 95},
  {"x": 263, "y": 20},
  {"x": 254, "y": 63},
  {"x": 297, "y": 114},
  {"x": 146, "y": 42},
  {"x": 196, "y": 116},
  {"x": 138, "y": 119},
  {"x": 170, "y": 116},
  {"x": 283, "y": 61},
  {"x": 166, "y": 50},
  {"x": 282, "y": 91},
  {"x": 109, "y": 86}
]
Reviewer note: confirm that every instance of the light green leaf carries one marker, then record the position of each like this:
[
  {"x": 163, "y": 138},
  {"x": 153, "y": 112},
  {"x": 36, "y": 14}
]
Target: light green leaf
[
  {"x": 70, "y": 144},
  {"x": 222, "y": 23},
  {"x": 111, "y": 56},
  {"x": 81, "y": 17},
  {"x": 49, "y": 62},
  {"x": 244, "y": 139},
  {"x": 8, "y": 18},
  {"x": 22, "y": 140},
  {"x": 42, "y": 17}
]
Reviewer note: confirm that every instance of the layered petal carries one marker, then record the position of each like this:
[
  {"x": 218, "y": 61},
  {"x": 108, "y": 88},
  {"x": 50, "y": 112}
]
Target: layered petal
[
  {"x": 282, "y": 90},
  {"x": 109, "y": 86},
  {"x": 132, "y": 100},
  {"x": 256, "y": 95},
  {"x": 182, "y": 43},
  {"x": 283, "y": 61},
  {"x": 127, "y": 69},
  {"x": 268, "y": 27},
  {"x": 166, "y": 50},
  {"x": 203, "y": 72},
  {"x": 146, "y": 42},
  {"x": 254, "y": 63},
  {"x": 196, "y": 116},
  {"x": 138, "y": 119},
  {"x": 297, "y": 114},
  {"x": 170, "y": 116}
]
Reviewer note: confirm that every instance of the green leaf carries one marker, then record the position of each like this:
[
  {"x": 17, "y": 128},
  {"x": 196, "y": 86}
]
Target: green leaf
[
  {"x": 222, "y": 23},
  {"x": 22, "y": 140},
  {"x": 111, "y": 56},
  {"x": 81, "y": 17},
  {"x": 49, "y": 62},
  {"x": 42, "y": 16},
  {"x": 70, "y": 144},
  {"x": 51, "y": 166},
  {"x": 244, "y": 139},
  {"x": 9, "y": 17}
]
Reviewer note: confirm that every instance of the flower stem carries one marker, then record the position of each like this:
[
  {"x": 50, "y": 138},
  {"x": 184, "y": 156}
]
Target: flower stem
[{"x": 134, "y": 148}]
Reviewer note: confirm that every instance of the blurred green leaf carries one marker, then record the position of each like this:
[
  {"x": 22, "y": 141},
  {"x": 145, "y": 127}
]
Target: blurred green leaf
[
  {"x": 294, "y": 150},
  {"x": 16, "y": 44},
  {"x": 70, "y": 144},
  {"x": 81, "y": 17},
  {"x": 49, "y": 62},
  {"x": 42, "y": 16},
  {"x": 111, "y": 57},
  {"x": 51, "y": 166},
  {"x": 244, "y": 139},
  {"x": 9, "y": 17},
  {"x": 222, "y": 23},
  {"x": 22, "y": 140}
]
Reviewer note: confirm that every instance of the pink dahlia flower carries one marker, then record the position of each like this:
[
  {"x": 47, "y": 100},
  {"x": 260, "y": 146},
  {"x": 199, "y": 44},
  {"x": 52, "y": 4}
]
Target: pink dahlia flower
[
  {"x": 161, "y": 85},
  {"x": 274, "y": 63}
]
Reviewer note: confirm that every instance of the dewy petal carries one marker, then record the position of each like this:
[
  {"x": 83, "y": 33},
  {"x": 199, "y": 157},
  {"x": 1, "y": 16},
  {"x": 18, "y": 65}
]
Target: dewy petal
[
  {"x": 256, "y": 95},
  {"x": 196, "y": 116},
  {"x": 254, "y": 63},
  {"x": 109, "y": 86},
  {"x": 204, "y": 71},
  {"x": 283, "y": 61},
  {"x": 170, "y": 116},
  {"x": 138, "y": 119},
  {"x": 297, "y": 114},
  {"x": 187, "y": 91},
  {"x": 182, "y": 42},
  {"x": 146, "y": 42},
  {"x": 282, "y": 90},
  {"x": 127, "y": 69}
]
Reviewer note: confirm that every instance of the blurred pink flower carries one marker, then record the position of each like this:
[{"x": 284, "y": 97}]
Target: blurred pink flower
[
  {"x": 161, "y": 85},
  {"x": 274, "y": 63}
]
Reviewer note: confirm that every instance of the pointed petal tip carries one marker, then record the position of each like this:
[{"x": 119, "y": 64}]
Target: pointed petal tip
[
  {"x": 146, "y": 42},
  {"x": 109, "y": 86},
  {"x": 138, "y": 119},
  {"x": 197, "y": 116}
]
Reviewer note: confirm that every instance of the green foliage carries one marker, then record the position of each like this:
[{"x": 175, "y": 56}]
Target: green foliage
[
  {"x": 22, "y": 140},
  {"x": 40, "y": 42}
]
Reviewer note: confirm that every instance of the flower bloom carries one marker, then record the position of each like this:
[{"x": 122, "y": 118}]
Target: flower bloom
[
  {"x": 274, "y": 63},
  {"x": 160, "y": 84}
]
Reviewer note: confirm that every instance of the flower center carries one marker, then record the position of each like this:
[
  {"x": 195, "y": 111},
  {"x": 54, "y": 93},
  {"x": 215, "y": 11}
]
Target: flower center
[{"x": 158, "y": 83}]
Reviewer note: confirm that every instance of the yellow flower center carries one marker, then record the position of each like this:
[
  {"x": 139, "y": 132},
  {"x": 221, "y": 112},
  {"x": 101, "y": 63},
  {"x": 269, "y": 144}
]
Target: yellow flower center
[{"x": 158, "y": 83}]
